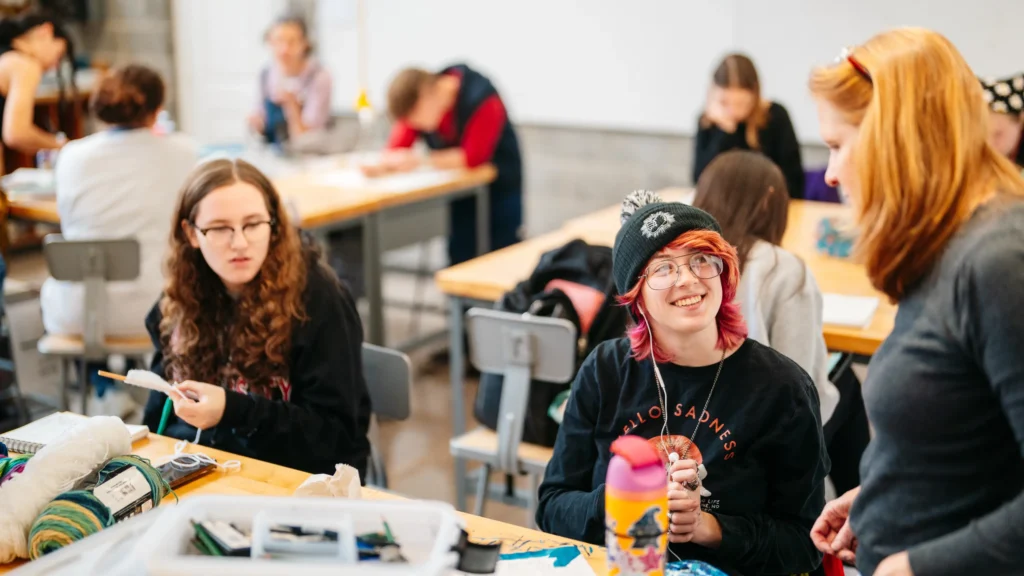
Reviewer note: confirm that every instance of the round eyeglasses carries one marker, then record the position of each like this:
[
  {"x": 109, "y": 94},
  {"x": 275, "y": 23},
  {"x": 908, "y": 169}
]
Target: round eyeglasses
[
  {"x": 225, "y": 235},
  {"x": 665, "y": 274}
]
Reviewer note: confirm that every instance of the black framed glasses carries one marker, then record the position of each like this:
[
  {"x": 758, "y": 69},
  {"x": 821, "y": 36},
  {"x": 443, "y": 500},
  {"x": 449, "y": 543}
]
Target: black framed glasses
[
  {"x": 225, "y": 235},
  {"x": 665, "y": 274}
]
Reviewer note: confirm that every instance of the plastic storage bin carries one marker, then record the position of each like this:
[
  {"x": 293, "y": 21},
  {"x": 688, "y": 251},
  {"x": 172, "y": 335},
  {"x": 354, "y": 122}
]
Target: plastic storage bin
[{"x": 426, "y": 532}]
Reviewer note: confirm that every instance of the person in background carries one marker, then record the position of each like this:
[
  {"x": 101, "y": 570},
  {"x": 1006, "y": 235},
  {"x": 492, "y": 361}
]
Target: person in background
[
  {"x": 780, "y": 299},
  {"x": 737, "y": 116},
  {"x": 1005, "y": 99},
  {"x": 294, "y": 89},
  {"x": 30, "y": 44},
  {"x": 940, "y": 213},
  {"x": 735, "y": 420},
  {"x": 462, "y": 118},
  {"x": 120, "y": 182},
  {"x": 254, "y": 326}
]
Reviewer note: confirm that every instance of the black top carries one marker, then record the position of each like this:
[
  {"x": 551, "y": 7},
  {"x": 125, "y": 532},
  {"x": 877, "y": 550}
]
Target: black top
[
  {"x": 318, "y": 417},
  {"x": 760, "y": 440},
  {"x": 944, "y": 475},
  {"x": 777, "y": 141}
]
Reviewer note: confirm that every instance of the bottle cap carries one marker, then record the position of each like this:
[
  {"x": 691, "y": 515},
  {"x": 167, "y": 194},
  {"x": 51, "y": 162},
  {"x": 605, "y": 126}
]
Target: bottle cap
[{"x": 636, "y": 451}]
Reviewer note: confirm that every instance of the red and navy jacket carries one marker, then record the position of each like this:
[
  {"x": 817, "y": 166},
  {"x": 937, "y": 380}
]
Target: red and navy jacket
[{"x": 479, "y": 124}]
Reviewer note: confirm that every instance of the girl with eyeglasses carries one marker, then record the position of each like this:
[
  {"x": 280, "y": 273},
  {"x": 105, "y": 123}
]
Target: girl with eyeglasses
[
  {"x": 940, "y": 213},
  {"x": 736, "y": 423},
  {"x": 257, "y": 330}
]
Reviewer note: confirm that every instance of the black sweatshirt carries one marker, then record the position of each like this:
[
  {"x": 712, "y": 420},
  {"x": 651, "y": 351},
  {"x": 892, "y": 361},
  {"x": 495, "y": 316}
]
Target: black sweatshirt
[
  {"x": 760, "y": 440},
  {"x": 777, "y": 141},
  {"x": 943, "y": 477},
  {"x": 318, "y": 417}
]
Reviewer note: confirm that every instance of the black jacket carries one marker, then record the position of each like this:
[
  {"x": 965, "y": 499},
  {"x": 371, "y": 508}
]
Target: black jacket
[
  {"x": 577, "y": 262},
  {"x": 760, "y": 441},
  {"x": 777, "y": 141},
  {"x": 320, "y": 417}
]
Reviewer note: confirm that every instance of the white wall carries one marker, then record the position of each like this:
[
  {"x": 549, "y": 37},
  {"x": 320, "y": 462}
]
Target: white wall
[
  {"x": 218, "y": 49},
  {"x": 640, "y": 66}
]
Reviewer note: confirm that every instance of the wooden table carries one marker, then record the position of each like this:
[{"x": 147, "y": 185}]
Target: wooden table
[
  {"x": 265, "y": 479},
  {"x": 483, "y": 280},
  {"x": 390, "y": 218}
]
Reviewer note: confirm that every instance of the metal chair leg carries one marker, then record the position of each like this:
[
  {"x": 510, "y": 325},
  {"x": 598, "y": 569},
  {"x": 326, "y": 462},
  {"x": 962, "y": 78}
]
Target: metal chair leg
[
  {"x": 481, "y": 489},
  {"x": 83, "y": 381},
  {"x": 417, "y": 298},
  {"x": 65, "y": 403}
]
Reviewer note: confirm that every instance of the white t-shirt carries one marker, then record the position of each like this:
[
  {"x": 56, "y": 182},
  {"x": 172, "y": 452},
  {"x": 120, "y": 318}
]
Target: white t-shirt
[{"x": 118, "y": 184}]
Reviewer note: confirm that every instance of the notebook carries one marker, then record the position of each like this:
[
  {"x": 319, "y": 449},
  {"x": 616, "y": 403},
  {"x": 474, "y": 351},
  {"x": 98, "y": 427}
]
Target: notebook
[
  {"x": 849, "y": 311},
  {"x": 32, "y": 437}
]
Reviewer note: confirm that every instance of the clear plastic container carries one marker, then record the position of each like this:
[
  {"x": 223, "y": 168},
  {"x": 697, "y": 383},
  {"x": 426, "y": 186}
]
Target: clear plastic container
[{"x": 425, "y": 531}]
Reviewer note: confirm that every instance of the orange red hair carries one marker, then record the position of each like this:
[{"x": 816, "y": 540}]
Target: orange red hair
[{"x": 732, "y": 329}]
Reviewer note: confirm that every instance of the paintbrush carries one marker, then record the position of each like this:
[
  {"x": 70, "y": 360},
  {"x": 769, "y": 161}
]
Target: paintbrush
[{"x": 145, "y": 379}]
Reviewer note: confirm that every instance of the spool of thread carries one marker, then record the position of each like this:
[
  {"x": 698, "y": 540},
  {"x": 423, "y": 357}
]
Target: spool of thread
[
  {"x": 77, "y": 514},
  {"x": 11, "y": 467},
  {"x": 70, "y": 517},
  {"x": 3, "y": 450}
]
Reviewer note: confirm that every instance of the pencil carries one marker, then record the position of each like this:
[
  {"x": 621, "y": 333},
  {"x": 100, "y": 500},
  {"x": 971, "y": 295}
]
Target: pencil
[{"x": 111, "y": 375}]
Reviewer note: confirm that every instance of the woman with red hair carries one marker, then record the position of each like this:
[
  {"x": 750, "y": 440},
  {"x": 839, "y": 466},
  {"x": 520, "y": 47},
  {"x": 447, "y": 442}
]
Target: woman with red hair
[{"x": 737, "y": 424}]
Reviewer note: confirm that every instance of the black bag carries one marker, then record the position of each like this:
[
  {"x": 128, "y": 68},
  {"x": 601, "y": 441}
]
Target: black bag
[{"x": 576, "y": 262}]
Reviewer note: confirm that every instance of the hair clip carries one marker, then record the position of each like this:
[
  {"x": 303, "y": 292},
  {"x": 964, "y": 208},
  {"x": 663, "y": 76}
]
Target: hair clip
[{"x": 847, "y": 54}]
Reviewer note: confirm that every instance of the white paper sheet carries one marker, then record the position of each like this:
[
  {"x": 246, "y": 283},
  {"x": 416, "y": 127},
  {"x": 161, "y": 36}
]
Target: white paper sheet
[
  {"x": 353, "y": 178},
  {"x": 850, "y": 311}
]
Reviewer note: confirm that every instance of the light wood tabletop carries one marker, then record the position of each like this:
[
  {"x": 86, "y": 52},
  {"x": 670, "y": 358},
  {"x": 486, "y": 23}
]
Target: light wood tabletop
[
  {"x": 317, "y": 201},
  {"x": 488, "y": 277},
  {"x": 262, "y": 478}
]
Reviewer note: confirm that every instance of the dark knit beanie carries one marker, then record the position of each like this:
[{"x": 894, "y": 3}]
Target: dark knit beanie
[{"x": 648, "y": 225}]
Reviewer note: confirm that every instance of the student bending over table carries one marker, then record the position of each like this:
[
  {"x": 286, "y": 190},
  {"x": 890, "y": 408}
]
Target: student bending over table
[
  {"x": 255, "y": 326},
  {"x": 751, "y": 413}
]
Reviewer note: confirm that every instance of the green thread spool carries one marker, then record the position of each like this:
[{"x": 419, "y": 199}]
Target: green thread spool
[{"x": 70, "y": 517}]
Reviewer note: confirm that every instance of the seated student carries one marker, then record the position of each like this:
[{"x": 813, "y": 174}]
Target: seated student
[
  {"x": 294, "y": 90},
  {"x": 738, "y": 415},
  {"x": 778, "y": 295},
  {"x": 30, "y": 44},
  {"x": 1005, "y": 99},
  {"x": 736, "y": 116},
  {"x": 459, "y": 115},
  {"x": 255, "y": 326},
  {"x": 120, "y": 182}
]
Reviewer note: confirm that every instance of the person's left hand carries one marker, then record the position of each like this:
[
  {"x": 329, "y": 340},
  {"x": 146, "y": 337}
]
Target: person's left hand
[
  {"x": 287, "y": 99},
  {"x": 895, "y": 565},
  {"x": 206, "y": 410}
]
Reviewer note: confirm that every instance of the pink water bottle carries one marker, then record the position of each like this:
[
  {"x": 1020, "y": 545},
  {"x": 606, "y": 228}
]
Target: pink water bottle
[{"x": 636, "y": 509}]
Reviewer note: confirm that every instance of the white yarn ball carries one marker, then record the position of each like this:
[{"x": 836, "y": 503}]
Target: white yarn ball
[{"x": 53, "y": 470}]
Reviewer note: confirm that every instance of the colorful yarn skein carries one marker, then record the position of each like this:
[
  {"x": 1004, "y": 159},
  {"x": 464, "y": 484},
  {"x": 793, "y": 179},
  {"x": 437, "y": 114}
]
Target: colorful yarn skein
[
  {"x": 66, "y": 520},
  {"x": 11, "y": 467},
  {"x": 157, "y": 485},
  {"x": 74, "y": 515}
]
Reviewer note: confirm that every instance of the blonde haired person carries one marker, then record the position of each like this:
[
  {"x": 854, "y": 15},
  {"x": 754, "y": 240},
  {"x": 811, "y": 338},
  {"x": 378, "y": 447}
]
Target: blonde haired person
[{"x": 942, "y": 233}]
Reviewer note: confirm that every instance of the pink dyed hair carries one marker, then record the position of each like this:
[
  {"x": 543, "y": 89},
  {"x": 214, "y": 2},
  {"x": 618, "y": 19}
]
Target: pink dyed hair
[{"x": 731, "y": 327}]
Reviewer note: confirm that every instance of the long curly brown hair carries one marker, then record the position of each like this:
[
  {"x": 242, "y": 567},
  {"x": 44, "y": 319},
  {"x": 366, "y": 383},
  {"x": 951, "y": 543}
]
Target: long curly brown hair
[{"x": 202, "y": 326}]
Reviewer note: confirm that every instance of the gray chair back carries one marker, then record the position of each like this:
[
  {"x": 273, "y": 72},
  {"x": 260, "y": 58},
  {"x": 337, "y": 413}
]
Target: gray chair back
[
  {"x": 93, "y": 263},
  {"x": 388, "y": 375},
  {"x": 523, "y": 348}
]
